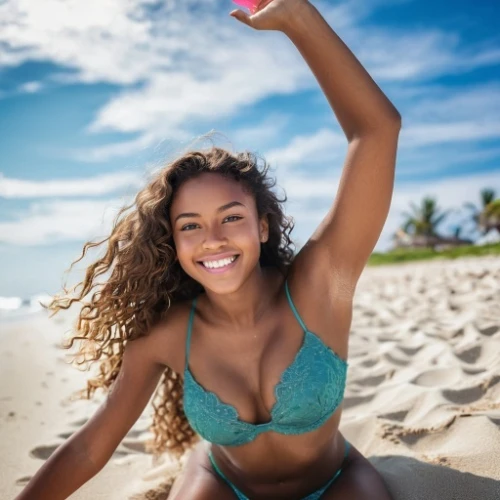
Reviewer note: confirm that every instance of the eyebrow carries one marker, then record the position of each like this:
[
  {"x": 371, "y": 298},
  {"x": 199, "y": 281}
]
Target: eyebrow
[{"x": 227, "y": 206}]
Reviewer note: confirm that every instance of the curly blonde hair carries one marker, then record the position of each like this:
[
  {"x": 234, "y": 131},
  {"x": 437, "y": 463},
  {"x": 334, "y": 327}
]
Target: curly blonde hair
[{"x": 145, "y": 279}]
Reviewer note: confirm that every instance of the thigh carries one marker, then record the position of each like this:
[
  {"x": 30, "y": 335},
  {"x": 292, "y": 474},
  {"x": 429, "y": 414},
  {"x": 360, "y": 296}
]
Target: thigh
[
  {"x": 359, "y": 480},
  {"x": 198, "y": 480}
]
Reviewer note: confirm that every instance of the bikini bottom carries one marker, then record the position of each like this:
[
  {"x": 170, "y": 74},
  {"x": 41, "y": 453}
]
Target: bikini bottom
[{"x": 313, "y": 496}]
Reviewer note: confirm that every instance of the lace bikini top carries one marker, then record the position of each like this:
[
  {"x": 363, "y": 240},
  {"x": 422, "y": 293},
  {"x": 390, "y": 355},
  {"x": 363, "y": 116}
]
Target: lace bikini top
[{"x": 308, "y": 393}]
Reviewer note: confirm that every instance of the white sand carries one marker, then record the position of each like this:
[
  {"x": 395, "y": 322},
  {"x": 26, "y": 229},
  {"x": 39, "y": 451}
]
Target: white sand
[{"x": 422, "y": 402}]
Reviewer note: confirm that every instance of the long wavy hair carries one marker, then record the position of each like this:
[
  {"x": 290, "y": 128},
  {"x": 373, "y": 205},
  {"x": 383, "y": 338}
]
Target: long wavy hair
[{"x": 145, "y": 279}]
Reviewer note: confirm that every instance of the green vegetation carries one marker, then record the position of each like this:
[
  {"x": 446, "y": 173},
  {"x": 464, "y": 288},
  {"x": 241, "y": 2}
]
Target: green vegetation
[
  {"x": 413, "y": 254},
  {"x": 418, "y": 237},
  {"x": 424, "y": 219}
]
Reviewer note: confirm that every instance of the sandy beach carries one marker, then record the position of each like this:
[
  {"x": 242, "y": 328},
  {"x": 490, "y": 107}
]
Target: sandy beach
[{"x": 422, "y": 400}]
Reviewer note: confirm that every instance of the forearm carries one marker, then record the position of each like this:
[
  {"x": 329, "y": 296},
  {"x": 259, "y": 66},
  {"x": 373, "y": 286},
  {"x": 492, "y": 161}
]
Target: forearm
[
  {"x": 357, "y": 101},
  {"x": 68, "y": 468}
]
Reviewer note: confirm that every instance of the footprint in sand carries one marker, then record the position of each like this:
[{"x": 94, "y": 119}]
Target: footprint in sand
[
  {"x": 23, "y": 481},
  {"x": 489, "y": 330},
  {"x": 43, "y": 452},
  {"x": 410, "y": 350},
  {"x": 412, "y": 436},
  {"x": 368, "y": 363},
  {"x": 395, "y": 360},
  {"x": 494, "y": 418},
  {"x": 473, "y": 370},
  {"x": 65, "y": 435},
  {"x": 351, "y": 401},
  {"x": 438, "y": 377},
  {"x": 469, "y": 355},
  {"x": 464, "y": 396},
  {"x": 79, "y": 423},
  {"x": 397, "y": 416},
  {"x": 371, "y": 381}
]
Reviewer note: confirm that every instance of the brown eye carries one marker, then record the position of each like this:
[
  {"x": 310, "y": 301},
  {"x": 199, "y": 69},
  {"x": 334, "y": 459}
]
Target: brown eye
[{"x": 237, "y": 217}]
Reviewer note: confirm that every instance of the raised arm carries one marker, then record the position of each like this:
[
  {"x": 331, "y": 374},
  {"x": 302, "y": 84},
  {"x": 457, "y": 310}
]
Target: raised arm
[
  {"x": 87, "y": 451},
  {"x": 344, "y": 240}
]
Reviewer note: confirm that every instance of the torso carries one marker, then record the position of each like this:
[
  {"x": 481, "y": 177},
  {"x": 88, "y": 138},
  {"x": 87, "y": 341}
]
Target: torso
[{"x": 243, "y": 369}]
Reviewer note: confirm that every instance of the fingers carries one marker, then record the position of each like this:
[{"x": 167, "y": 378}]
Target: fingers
[{"x": 242, "y": 17}]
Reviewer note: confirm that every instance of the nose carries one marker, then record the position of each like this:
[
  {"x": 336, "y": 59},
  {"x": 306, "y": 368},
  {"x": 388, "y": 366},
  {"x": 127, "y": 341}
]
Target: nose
[{"x": 214, "y": 238}]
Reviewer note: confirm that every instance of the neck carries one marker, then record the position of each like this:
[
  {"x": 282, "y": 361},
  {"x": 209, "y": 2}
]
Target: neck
[{"x": 243, "y": 309}]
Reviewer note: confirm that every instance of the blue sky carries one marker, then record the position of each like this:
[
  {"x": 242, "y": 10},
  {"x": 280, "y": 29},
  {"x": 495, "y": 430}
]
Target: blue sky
[{"x": 95, "y": 95}]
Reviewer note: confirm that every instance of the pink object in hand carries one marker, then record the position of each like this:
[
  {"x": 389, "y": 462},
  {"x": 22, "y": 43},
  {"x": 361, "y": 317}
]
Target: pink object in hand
[{"x": 251, "y": 5}]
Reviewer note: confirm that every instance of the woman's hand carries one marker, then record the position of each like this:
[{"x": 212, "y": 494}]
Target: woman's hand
[{"x": 271, "y": 14}]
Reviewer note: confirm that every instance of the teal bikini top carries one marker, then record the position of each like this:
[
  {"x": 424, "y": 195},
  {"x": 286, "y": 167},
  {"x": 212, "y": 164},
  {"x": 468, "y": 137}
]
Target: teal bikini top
[{"x": 308, "y": 393}]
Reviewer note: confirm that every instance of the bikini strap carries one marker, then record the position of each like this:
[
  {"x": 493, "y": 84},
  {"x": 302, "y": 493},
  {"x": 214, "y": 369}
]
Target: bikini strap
[
  {"x": 290, "y": 301},
  {"x": 190, "y": 328},
  {"x": 347, "y": 448}
]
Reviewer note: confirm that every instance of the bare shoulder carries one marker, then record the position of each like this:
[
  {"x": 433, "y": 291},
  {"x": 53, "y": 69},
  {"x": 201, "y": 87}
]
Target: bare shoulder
[{"x": 167, "y": 339}]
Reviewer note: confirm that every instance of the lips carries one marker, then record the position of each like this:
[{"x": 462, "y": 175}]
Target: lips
[
  {"x": 219, "y": 270},
  {"x": 219, "y": 256}
]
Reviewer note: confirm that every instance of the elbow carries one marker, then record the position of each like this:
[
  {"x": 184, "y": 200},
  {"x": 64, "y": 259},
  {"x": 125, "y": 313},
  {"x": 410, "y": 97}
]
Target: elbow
[
  {"x": 392, "y": 121},
  {"x": 397, "y": 119},
  {"x": 387, "y": 125}
]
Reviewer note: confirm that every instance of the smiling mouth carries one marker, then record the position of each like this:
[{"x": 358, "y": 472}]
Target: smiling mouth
[{"x": 221, "y": 268}]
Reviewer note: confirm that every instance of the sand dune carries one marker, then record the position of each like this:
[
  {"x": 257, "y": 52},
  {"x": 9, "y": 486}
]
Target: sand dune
[{"x": 422, "y": 401}]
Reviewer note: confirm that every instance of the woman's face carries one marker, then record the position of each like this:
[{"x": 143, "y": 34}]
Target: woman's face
[{"x": 212, "y": 219}]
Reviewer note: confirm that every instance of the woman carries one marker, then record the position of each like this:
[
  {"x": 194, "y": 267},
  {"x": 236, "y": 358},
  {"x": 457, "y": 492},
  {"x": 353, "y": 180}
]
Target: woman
[{"x": 203, "y": 283}]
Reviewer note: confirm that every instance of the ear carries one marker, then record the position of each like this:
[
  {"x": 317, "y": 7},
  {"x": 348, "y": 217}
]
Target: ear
[{"x": 264, "y": 229}]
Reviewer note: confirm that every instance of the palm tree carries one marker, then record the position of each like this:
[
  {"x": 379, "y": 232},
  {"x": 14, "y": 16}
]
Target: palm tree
[
  {"x": 487, "y": 196},
  {"x": 423, "y": 220},
  {"x": 489, "y": 218}
]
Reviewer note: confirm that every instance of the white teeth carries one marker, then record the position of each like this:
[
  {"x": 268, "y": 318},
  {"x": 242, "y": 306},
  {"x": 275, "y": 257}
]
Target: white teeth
[{"x": 214, "y": 264}]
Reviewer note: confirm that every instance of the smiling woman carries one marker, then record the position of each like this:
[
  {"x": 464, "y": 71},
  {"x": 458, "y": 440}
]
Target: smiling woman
[
  {"x": 252, "y": 341},
  {"x": 156, "y": 266},
  {"x": 159, "y": 262}
]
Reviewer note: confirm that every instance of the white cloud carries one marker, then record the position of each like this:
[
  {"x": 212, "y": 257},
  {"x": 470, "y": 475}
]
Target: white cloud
[
  {"x": 324, "y": 145},
  {"x": 87, "y": 186},
  {"x": 180, "y": 98},
  {"x": 96, "y": 38},
  {"x": 265, "y": 132},
  {"x": 58, "y": 221},
  {"x": 442, "y": 133},
  {"x": 120, "y": 149},
  {"x": 306, "y": 189},
  {"x": 191, "y": 64},
  {"x": 439, "y": 103},
  {"x": 30, "y": 87}
]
